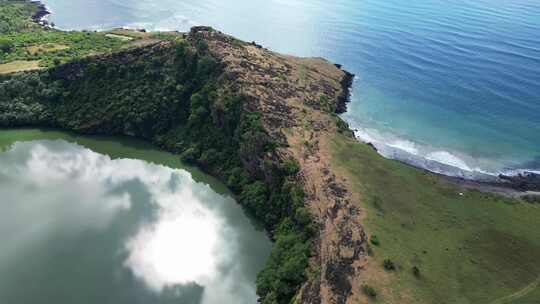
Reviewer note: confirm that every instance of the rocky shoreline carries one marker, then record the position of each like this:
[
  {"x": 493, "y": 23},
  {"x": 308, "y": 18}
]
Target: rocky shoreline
[
  {"x": 41, "y": 13},
  {"x": 516, "y": 186},
  {"x": 346, "y": 85}
]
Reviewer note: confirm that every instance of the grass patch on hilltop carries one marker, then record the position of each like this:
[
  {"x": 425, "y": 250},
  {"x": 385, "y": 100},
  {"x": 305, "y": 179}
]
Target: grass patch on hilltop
[
  {"x": 471, "y": 247},
  {"x": 23, "y": 40},
  {"x": 36, "y": 45},
  {"x": 46, "y": 48}
]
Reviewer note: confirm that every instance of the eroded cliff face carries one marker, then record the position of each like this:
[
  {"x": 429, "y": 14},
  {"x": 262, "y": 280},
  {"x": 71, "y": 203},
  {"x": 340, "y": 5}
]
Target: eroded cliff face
[{"x": 298, "y": 99}]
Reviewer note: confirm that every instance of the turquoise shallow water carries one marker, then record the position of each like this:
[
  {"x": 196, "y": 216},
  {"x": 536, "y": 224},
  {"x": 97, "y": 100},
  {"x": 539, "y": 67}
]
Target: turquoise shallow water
[{"x": 452, "y": 86}]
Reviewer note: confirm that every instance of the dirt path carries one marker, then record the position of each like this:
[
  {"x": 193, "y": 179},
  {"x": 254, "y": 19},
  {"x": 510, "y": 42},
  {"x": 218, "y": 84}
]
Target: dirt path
[{"x": 519, "y": 294}]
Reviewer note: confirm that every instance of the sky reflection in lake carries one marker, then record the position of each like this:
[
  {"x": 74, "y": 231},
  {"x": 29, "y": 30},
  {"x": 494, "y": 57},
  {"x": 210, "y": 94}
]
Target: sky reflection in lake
[{"x": 79, "y": 226}]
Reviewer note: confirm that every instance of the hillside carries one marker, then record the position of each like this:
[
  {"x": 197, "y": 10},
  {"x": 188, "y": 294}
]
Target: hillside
[{"x": 348, "y": 226}]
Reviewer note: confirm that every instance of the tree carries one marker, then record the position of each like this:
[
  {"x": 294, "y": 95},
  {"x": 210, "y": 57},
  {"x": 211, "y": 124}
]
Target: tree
[{"x": 6, "y": 45}]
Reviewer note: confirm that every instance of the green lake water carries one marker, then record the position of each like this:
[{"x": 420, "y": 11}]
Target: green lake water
[{"x": 113, "y": 220}]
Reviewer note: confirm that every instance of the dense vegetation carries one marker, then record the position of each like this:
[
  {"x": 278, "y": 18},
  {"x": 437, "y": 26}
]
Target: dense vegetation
[
  {"x": 172, "y": 94},
  {"x": 23, "y": 40},
  {"x": 16, "y": 16},
  {"x": 433, "y": 242},
  {"x": 54, "y": 47}
]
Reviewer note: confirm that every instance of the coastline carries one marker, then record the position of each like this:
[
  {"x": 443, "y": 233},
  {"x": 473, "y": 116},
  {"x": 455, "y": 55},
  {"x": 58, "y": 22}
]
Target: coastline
[
  {"x": 518, "y": 185},
  {"x": 332, "y": 196},
  {"x": 515, "y": 185},
  {"x": 41, "y": 13},
  {"x": 346, "y": 85},
  {"x": 507, "y": 189}
]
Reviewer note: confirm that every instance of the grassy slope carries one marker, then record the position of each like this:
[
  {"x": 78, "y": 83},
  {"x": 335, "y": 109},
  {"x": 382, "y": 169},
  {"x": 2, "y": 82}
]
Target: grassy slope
[{"x": 474, "y": 248}]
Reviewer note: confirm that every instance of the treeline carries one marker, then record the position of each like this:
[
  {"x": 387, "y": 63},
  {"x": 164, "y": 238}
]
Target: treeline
[{"x": 176, "y": 96}]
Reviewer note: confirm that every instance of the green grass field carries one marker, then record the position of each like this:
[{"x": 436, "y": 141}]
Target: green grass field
[{"x": 471, "y": 247}]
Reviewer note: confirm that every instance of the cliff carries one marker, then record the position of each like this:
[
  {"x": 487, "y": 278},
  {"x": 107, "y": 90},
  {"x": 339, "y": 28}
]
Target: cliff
[{"x": 298, "y": 99}]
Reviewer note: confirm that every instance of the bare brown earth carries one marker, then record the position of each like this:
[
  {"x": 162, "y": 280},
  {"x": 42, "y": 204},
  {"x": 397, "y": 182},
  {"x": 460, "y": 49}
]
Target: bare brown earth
[{"x": 284, "y": 89}]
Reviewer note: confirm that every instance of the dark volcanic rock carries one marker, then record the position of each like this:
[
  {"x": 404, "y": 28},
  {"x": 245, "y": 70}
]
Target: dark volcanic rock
[
  {"x": 344, "y": 98},
  {"x": 526, "y": 181}
]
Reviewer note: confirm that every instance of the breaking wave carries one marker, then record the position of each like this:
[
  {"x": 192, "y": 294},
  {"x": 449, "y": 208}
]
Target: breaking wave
[{"x": 436, "y": 160}]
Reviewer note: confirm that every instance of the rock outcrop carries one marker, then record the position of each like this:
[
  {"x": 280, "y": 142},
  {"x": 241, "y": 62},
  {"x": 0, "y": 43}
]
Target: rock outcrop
[{"x": 292, "y": 94}]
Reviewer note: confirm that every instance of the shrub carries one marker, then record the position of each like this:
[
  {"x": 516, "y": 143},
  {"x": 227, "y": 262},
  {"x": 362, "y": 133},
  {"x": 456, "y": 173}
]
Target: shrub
[
  {"x": 290, "y": 166},
  {"x": 327, "y": 104},
  {"x": 190, "y": 155},
  {"x": 374, "y": 240},
  {"x": 342, "y": 126},
  {"x": 416, "y": 271},
  {"x": 389, "y": 265},
  {"x": 369, "y": 291},
  {"x": 6, "y": 45}
]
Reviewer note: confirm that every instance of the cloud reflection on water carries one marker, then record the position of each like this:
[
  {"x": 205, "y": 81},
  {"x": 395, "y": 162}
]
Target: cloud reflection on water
[{"x": 183, "y": 235}]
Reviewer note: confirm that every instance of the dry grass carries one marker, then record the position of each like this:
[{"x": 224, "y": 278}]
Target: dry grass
[
  {"x": 46, "y": 48},
  {"x": 19, "y": 66},
  {"x": 129, "y": 33},
  {"x": 121, "y": 37}
]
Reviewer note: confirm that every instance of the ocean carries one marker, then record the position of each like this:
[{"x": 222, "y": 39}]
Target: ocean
[{"x": 452, "y": 86}]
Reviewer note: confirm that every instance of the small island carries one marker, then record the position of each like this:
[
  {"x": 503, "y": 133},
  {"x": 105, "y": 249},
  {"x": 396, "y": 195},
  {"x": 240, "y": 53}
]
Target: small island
[{"x": 347, "y": 225}]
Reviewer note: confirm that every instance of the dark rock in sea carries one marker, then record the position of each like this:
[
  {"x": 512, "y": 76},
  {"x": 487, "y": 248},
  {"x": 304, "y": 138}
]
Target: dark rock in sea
[{"x": 344, "y": 98}]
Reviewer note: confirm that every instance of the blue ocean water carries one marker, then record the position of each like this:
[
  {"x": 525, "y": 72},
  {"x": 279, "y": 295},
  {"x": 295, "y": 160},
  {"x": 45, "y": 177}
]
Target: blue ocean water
[{"x": 448, "y": 85}]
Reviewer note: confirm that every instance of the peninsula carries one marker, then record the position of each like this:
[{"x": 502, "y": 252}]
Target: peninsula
[{"x": 348, "y": 226}]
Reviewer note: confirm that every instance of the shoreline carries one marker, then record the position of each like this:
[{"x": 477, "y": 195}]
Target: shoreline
[
  {"x": 519, "y": 185},
  {"x": 42, "y": 12},
  {"x": 513, "y": 186},
  {"x": 346, "y": 84},
  {"x": 507, "y": 189}
]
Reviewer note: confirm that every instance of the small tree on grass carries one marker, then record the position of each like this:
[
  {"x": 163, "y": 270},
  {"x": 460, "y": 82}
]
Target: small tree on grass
[
  {"x": 389, "y": 265},
  {"x": 375, "y": 240},
  {"x": 369, "y": 291},
  {"x": 416, "y": 272}
]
